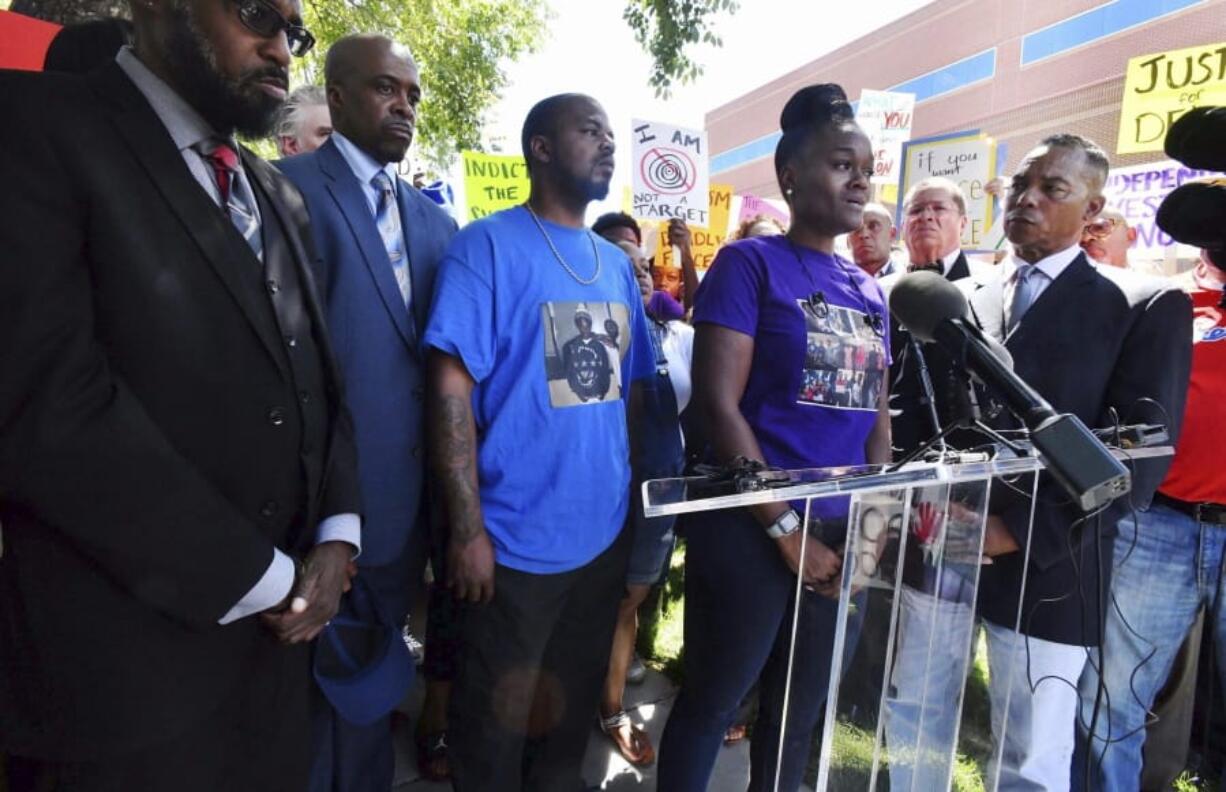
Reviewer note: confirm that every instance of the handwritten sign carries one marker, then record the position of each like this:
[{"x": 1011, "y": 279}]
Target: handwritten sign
[
  {"x": 1160, "y": 88},
  {"x": 752, "y": 206},
  {"x": 493, "y": 182},
  {"x": 886, "y": 118},
  {"x": 669, "y": 173},
  {"x": 1137, "y": 191},
  {"x": 966, "y": 158},
  {"x": 705, "y": 241}
]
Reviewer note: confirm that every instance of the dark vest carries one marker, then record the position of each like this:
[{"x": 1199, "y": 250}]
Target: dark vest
[{"x": 305, "y": 413}]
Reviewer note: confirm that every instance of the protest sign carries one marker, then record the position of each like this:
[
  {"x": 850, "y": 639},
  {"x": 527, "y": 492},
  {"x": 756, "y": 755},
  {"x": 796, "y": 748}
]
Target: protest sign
[
  {"x": 752, "y": 206},
  {"x": 886, "y": 118},
  {"x": 705, "y": 241},
  {"x": 1160, "y": 88},
  {"x": 1137, "y": 191},
  {"x": 967, "y": 158},
  {"x": 669, "y": 173},
  {"x": 493, "y": 182}
]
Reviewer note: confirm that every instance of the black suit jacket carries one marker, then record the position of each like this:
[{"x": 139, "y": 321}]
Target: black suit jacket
[
  {"x": 149, "y": 451},
  {"x": 911, "y": 424},
  {"x": 1098, "y": 338}
]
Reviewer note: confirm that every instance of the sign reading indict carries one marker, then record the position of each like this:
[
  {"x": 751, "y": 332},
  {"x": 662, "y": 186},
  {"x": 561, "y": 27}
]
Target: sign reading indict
[
  {"x": 1160, "y": 88},
  {"x": 670, "y": 171},
  {"x": 1137, "y": 191},
  {"x": 886, "y": 118},
  {"x": 493, "y": 182},
  {"x": 966, "y": 158},
  {"x": 705, "y": 241}
]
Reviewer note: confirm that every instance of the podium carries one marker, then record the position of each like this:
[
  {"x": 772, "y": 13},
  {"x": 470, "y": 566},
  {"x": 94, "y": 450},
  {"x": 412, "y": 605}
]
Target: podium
[{"x": 907, "y": 705}]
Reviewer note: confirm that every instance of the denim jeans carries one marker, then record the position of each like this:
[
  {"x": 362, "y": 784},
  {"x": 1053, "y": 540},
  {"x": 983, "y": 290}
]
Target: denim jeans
[{"x": 1167, "y": 567}]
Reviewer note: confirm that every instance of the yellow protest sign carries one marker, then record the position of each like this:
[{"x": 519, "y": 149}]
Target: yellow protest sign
[
  {"x": 493, "y": 182},
  {"x": 1160, "y": 88},
  {"x": 705, "y": 240}
]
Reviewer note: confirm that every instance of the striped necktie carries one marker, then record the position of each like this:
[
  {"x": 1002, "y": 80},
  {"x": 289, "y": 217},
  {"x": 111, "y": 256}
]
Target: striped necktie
[
  {"x": 236, "y": 197},
  {"x": 387, "y": 217}
]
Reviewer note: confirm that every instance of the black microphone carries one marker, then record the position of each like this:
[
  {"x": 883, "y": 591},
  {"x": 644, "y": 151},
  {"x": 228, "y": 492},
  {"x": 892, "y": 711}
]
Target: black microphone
[{"x": 934, "y": 310}]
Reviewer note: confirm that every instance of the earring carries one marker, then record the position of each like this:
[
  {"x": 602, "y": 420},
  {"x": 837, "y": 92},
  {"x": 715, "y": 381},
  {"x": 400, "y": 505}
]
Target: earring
[{"x": 788, "y": 192}]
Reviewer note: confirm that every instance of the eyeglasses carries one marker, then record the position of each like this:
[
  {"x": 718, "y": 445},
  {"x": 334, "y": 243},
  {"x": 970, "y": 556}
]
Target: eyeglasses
[
  {"x": 264, "y": 20},
  {"x": 1100, "y": 228}
]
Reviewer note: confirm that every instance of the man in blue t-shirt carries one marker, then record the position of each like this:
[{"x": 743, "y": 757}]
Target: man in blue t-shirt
[{"x": 528, "y": 416}]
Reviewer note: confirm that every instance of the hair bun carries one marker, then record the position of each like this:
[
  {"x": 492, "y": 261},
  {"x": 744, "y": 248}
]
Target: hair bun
[{"x": 815, "y": 104}]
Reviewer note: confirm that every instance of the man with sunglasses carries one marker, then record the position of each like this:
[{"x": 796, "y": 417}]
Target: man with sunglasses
[
  {"x": 379, "y": 242},
  {"x": 1108, "y": 237},
  {"x": 178, "y": 489}
]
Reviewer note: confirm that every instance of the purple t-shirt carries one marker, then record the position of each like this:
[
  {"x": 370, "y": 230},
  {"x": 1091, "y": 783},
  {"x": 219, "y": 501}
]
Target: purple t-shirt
[{"x": 821, "y": 347}]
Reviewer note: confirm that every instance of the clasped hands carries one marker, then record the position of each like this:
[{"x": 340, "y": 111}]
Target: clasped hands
[{"x": 326, "y": 573}]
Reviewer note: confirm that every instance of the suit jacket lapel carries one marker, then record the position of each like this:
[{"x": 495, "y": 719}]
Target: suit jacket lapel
[
  {"x": 219, "y": 242},
  {"x": 347, "y": 193},
  {"x": 412, "y": 220},
  {"x": 959, "y": 269},
  {"x": 1054, "y": 297}
]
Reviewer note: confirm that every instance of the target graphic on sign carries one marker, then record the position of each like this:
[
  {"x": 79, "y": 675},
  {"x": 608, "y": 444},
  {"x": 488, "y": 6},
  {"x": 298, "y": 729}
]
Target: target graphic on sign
[{"x": 668, "y": 171}]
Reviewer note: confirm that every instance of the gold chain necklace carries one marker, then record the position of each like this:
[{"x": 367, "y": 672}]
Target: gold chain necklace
[{"x": 558, "y": 256}]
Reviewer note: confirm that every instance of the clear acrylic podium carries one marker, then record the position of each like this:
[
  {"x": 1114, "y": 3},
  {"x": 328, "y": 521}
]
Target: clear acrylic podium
[{"x": 907, "y": 707}]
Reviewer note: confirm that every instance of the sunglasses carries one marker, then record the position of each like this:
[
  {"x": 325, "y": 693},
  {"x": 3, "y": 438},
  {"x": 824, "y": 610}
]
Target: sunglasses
[
  {"x": 262, "y": 19},
  {"x": 1099, "y": 228}
]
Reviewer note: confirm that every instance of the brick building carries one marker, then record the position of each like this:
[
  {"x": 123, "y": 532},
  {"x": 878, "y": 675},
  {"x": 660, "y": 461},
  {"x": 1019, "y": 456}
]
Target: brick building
[{"x": 1014, "y": 70}]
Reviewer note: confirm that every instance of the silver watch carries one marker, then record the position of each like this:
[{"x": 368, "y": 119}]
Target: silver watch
[{"x": 785, "y": 524}]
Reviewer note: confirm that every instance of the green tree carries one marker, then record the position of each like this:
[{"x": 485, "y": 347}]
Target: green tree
[
  {"x": 667, "y": 28},
  {"x": 461, "y": 47}
]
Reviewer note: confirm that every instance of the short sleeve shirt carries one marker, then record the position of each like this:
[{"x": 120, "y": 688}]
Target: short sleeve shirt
[
  {"x": 552, "y": 359},
  {"x": 821, "y": 348}
]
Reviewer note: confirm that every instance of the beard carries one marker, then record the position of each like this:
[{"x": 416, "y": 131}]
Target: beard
[{"x": 229, "y": 104}]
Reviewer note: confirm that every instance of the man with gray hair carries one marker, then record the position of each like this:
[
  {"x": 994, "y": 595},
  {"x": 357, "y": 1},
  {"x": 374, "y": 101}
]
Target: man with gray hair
[
  {"x": 934, "y": 215},
  {"x": 303, "y": 124}
]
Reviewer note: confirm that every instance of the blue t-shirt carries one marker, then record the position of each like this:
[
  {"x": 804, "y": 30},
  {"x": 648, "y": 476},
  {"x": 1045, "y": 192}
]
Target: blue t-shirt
[
  {"x": 552, "y": 359},
  {"x": 821, "y": 349}
]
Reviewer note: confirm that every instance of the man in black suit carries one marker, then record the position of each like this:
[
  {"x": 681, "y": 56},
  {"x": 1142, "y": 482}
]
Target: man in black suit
[
  {"x": 1103, "y": 344},
  {"x": 172, "y": 439},
  {"x": 934, "y": 216}
]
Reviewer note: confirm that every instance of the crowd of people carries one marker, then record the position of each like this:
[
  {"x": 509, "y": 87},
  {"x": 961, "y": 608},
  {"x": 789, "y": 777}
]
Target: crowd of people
[{"x": 247, "y": 405}]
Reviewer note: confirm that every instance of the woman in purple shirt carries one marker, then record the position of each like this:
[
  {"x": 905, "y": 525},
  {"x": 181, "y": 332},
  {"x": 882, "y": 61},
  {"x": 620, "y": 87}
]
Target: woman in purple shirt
[{"x": 780, "y": 326}]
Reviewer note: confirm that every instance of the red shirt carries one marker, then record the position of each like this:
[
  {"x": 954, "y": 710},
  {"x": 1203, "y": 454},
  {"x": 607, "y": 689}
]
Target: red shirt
[{"x": 1197, "y": 474}]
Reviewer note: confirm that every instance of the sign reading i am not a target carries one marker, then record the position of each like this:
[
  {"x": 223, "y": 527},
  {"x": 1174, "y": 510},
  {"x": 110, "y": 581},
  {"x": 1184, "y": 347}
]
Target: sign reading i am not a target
[{"x": 670, "y": 173}]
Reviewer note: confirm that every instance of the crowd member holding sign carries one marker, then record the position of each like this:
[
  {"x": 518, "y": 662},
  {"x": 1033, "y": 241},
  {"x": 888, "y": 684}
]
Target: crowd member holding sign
[
  {"x": 533, "y": 459},
  {"x": 379, "y": 242},
  {"x": 763, "y": 394},
  {"x": 1103, "y": 344}
]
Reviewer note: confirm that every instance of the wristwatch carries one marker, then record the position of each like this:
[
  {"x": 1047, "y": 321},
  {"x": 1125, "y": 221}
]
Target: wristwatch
[{"x": 785, "y": 524}]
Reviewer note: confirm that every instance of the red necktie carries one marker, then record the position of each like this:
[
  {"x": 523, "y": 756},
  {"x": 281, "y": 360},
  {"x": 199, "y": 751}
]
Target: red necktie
[{"x": 224, "y": 160}]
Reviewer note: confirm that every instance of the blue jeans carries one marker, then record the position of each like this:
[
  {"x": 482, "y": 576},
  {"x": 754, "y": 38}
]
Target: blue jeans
[
  {"x": 739, "y": 596},
  {"x": 1173, "y": 569}
]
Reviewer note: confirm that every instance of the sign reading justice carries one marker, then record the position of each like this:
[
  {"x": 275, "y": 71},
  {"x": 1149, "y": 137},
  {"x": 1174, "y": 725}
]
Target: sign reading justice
[{"x": 1160, "y": 88}]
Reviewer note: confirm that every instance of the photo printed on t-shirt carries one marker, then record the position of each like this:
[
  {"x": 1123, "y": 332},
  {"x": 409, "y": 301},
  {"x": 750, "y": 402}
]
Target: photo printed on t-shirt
[
  {"x": 584, "y": 347},
  {"x": 844, "y": 364}
]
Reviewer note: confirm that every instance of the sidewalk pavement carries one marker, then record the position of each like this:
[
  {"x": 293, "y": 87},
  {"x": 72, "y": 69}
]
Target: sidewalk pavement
[{"x": 603, "y": 767}]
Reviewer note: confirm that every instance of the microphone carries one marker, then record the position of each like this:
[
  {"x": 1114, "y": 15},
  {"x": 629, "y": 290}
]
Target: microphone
[{"x": 934, "y": 310}]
